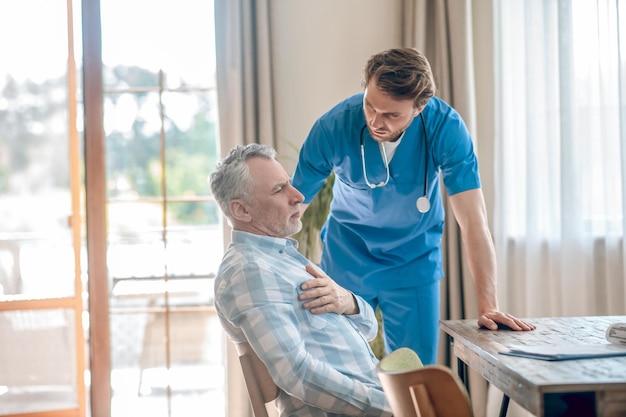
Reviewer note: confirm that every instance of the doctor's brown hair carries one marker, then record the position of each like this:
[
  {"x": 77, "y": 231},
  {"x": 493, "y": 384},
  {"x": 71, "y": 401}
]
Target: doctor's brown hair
[{"x": 403, "y": 73}]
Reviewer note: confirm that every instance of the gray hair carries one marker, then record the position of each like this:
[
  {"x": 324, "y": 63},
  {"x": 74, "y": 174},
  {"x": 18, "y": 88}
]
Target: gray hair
[{"x": 231, "y": 178}]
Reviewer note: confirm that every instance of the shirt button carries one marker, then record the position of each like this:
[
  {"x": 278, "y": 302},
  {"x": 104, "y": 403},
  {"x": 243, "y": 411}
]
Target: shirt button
[{"x": 281, "y": 251}]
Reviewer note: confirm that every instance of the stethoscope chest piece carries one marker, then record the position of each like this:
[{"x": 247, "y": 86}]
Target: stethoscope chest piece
[{"x": 423, "y": 204}]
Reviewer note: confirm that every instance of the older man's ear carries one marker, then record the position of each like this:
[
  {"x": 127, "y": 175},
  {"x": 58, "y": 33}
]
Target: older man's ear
[{"x": 239, "y": 211}]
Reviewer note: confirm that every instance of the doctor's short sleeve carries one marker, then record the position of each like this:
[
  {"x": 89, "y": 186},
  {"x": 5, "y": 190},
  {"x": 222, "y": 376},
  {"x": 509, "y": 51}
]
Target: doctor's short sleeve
[{"x": 454, "y": 153}]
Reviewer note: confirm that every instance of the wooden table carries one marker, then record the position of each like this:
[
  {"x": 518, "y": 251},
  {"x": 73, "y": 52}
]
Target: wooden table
[{"x": 593, "y": 387}]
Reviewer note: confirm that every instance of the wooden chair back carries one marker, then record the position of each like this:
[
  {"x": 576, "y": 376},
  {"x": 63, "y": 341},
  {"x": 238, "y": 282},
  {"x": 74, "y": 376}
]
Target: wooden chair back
[
  {"x": 261, "y": 387},
  {"x": 414, "y": 390}
]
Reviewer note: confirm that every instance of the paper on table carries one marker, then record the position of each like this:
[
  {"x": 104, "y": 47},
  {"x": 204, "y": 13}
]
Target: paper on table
[{"x": 615, "y": 335}]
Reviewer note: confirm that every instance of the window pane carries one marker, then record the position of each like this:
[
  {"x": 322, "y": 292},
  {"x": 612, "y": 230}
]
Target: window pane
[
  {"x": 195, "y": 374},
  {"x": 34, "y": 58},
  {"x": 201, "y": 212},
  {"x": 176, "y": 37},
  {"x": 36, "y": 257},
  {"x": 191, "y": 142},
  {"x": 132, "y": 125},
  {"x": 194, "y": 251},
  {"x": 165, "y": 236},
  {"x": 37, "y": 361}
]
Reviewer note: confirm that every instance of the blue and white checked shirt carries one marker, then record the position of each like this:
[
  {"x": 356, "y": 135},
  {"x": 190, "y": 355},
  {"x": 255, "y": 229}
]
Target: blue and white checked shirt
[{"x": 322, "y": 363}]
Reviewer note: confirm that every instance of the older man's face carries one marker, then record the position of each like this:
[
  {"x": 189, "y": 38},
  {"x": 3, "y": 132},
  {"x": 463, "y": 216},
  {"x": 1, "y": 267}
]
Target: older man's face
[{"x": 275, "y": 203}]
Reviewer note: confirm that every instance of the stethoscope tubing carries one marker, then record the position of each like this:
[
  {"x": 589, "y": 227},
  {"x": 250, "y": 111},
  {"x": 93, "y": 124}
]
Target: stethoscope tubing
[{"x": 422, "y": 203}]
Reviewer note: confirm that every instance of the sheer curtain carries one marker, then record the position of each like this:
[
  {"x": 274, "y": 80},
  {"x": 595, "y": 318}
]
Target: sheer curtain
[{"x": 560, "y": 171}]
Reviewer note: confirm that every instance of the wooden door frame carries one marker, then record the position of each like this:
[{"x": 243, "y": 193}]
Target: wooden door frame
[
  {"x": 95, "y": 198},
  {"x": 74, "y": 303}
]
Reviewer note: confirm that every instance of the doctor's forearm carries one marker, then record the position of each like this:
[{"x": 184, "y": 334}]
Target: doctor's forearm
[{"x": 482, "y": 265}]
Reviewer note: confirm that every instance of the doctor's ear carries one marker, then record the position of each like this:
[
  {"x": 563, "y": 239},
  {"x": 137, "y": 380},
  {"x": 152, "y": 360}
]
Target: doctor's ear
[
  {"x": 418, "y": 110},
  {"x": 239, "y": 210}
]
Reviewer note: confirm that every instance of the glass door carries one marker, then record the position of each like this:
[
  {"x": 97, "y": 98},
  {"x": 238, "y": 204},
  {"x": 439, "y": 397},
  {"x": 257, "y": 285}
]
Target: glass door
[
  {"x": 42, "y": 353},
  {"x": 164, "y": 237}
]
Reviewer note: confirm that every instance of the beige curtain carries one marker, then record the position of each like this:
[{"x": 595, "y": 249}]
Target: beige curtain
[
  {"x": 245, "y": 102},
  {"x": 442, "y": 29},
  {"x": 244, "y": 72}
]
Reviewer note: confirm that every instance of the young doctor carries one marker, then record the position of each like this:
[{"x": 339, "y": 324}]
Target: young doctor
[{"x": 382, "y": 240}]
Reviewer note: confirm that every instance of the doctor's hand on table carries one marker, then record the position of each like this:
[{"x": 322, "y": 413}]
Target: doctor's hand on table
[{"x": 495, "y": 320}]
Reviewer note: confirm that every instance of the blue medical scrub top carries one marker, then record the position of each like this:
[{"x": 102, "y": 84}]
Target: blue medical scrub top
[{"x": 376, "y": 239}]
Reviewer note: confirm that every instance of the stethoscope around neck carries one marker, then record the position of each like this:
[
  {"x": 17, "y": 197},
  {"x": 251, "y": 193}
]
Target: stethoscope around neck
[{"x": 422, "y": 203}]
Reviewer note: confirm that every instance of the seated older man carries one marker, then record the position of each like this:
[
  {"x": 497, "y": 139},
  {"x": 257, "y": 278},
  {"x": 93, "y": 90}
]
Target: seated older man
[{"x": 311, "y": 334}]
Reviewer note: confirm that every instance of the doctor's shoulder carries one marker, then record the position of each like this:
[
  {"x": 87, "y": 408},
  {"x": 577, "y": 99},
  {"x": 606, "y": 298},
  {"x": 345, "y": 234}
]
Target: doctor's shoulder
[{"x": 346, "y": 114}]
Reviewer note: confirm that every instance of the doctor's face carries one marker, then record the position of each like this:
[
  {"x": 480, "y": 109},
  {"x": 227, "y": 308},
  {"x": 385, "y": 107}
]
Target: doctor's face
[
  {"x": 274, "y": 207},
  {"x": 386, "y": 117}
]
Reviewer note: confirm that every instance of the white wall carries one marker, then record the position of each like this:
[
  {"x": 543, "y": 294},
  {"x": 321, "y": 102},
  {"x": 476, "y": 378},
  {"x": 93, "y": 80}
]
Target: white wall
[{"x": 321, "y": 48}]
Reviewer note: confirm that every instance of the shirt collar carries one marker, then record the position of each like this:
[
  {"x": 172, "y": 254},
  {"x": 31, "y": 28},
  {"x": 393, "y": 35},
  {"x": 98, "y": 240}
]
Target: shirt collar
[{"x": 239, "y": 236}]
